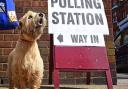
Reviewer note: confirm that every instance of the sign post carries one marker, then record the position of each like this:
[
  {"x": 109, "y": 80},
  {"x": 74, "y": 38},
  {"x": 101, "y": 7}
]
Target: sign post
[{"x": 78, "y": 28}]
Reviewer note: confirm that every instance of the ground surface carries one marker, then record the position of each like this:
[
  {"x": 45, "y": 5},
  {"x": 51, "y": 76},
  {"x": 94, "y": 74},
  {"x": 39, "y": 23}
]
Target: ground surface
[
  {"x": 122, "y": 84},
  {"x": 82, "y": 87}
]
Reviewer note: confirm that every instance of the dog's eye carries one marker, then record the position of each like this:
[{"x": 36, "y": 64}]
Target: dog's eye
[{"x": 30, "y": 17}]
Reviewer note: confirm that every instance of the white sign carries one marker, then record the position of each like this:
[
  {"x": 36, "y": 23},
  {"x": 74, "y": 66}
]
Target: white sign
[
  {"x": 86, "y": 16},
  {"x": 75, "y": 39}
]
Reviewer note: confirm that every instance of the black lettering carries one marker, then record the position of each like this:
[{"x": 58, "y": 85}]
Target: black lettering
[
  {"x": 85, "y": 38},
  {"x": 83, "y": 19},
  {"x": 74, "y": 38},
  {"x": 81, "y": 39},
  {"x": 63, "y": 17},
  {"x": 56, "y": 20},
  {"x": 69, "y": 4},
  {"x": 53, "y": 1},
  {"x": 90, "y": 19},
  {"x": 88, "y": 4},
  {"x": 76, "y": 4},
  {"x": 94, "y": 39},
  {"x": 62, "y": 4},
  {"x": 99, "y": 19},
  {"x": 96, "y": 4},
  {"x": 70, "y": 19},
  {"x": 77, "y": 18},
  {"x": 82, "y": 3}
]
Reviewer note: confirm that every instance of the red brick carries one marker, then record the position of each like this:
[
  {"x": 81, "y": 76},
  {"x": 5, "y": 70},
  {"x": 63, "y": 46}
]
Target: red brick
[
  {"x": 4, "y": 81},
  {"x": 19, "y": 3},
  {"x": 68, "y": 81},
  {"x": 45, "y": 30},
  {"x": 1, "y": 51},
  {"x": 108, "y": 38},
  {"x": 36, "y": 9},
  {"x": 63, "y": 75},
  {"x": 1, "y": 67},
  {"x": 70, "y": 75},
  {"x": 44, "y": 4},
  {"x": 111, "y": 52},
  {"x": 44, "y": 81},
  {"x": 19, "y": 10},
  {"x": 6, "y": 51},
  {"x": 99, "y": 80},
  {"x": 110, "y": 25},
  {"x": 45, "y": 58},
  {"x": 1, "y": 37},
  {"x": 44, "y": 51},
  {"x": 6, "y": 31},
  {"x": 36, "y": 3},
  {"x": 46, "y": 66},
  {"x": 3, "y": 59},
  {"x": 113, "y": 66},
  {"x": 3, "y": 74},
  {"x": 45, "y": 37},
  {"x": 11, "y": 37},
  {"x": 109, "y": 18},
  {"x": 98, "y": 74},
  {"x": 111, "y": 59},
  {"x": 43, "y": 44},
  {"x": 46, "y": 74},
  {"x": 5, "y": 44},
  {"x": 108, "y": 12},
  {"x": 80, "y": 81},
  {"x": 14, "y": 44},
  {"x": 110, "y": 44},
  {"x": 107, "y": 4},
  {"x": 27, "y": 3},
  {"x": 5, "y": 67}
]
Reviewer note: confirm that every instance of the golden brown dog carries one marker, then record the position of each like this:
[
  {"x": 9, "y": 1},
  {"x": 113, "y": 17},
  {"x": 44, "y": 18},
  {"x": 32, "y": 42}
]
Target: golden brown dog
[{"x": 25, "y": 63}]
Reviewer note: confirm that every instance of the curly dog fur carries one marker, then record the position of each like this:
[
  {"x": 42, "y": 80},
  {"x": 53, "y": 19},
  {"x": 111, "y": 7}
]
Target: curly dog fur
[{"x": 26, "y": 66}]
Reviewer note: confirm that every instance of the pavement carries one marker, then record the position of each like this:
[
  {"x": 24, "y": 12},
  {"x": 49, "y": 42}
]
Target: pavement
[
  {"x": 122, "y": 83},
  {"x": 80, "y": 87}
]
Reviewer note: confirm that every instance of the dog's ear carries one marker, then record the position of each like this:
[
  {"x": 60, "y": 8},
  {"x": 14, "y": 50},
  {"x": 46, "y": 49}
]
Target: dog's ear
[{"x": 20, "y": 25}]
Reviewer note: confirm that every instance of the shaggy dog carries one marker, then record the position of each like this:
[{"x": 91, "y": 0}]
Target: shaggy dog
[{"x": 26, "y": 66}]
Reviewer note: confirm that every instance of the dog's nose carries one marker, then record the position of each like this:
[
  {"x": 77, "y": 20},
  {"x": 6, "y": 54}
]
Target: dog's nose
[{"x": 41, "y": 15}]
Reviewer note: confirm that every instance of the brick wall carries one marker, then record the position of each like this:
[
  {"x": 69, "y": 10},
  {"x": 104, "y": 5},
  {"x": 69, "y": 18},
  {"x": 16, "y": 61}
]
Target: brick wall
[{"x": 8, "y": 40}]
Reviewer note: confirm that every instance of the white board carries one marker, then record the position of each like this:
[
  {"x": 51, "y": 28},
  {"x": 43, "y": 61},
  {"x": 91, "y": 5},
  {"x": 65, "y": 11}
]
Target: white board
[
  {"x": 78, "y": 39},
  {"x": 85, "y": 16}
]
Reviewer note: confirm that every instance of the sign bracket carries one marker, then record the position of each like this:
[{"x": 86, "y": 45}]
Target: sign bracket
[{"x": 89, "y": 63}]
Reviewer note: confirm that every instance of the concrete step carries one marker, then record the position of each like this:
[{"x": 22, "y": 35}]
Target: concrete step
[{"x": 80, "y": 87}]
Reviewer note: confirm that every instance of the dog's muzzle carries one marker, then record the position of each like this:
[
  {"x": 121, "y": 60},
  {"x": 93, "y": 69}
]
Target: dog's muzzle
[{"x": 40, "y": 20}]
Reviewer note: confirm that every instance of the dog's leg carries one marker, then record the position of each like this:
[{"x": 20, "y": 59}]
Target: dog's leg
[
  {"x": 36, "y": 84},
  {"x": 11, "y": 84},
  {"x": 11, "y": 81},
  {"x": 12, "y": 87},
  {"x": 21, "y": 84},
  {"x": 36, "y": 79},
  {"x": 10, "y": 77}
]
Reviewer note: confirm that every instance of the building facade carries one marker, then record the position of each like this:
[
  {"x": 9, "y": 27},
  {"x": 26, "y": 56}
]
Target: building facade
[{"x": 120, "y": 30}]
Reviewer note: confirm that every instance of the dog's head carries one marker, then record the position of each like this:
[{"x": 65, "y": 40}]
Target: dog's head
[{"x": 32, "y": 25}]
